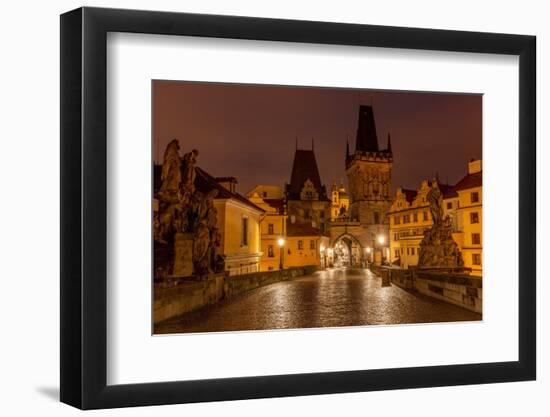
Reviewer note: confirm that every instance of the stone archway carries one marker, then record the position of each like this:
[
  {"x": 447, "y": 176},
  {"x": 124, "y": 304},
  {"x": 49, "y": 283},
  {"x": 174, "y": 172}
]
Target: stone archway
[{"x": 346, "y": 251}]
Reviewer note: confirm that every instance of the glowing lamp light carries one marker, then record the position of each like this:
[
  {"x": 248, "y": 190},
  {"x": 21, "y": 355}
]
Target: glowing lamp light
[
  {"x": 281, "y": 242},
  {"x": 381, "y": 239},
  {"x": 368, "y": 250}
]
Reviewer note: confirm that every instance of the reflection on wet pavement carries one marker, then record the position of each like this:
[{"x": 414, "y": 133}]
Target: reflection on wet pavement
[{"x": 331, "y": 298}]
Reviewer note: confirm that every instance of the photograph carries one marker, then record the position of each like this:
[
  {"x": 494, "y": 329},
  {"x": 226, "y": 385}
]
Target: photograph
[{"x": 292, "y": 207}]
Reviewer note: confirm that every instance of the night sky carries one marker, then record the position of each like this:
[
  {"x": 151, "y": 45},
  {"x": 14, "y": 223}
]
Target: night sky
[{"x": 250, "y": 131}]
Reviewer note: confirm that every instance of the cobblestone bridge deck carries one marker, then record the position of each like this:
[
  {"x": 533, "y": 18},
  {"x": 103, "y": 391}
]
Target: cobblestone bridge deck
[{"x": 331, "y": 298}]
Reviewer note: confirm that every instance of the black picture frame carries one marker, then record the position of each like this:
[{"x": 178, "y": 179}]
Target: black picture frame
[{"x": 84, "y": 207}]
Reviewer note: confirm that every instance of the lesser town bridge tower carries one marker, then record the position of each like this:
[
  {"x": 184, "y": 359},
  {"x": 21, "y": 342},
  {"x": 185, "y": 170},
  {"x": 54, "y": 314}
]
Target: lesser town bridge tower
[{"x": 368, "y": 169}]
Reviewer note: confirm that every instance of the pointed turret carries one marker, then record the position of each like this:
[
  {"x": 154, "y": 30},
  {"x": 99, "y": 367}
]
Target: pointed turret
[{"x": 388, "y": 148}]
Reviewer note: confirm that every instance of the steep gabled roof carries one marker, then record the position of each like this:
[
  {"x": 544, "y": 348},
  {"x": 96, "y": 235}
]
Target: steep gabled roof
[{"x": 304, "y": 167}]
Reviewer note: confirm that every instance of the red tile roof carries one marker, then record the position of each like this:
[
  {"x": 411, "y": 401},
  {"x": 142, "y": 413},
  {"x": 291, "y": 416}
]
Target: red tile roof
[
  {"x": 205, "y": 182},
  {"x": 301, "y": 229},
  {"x": 470, "y": 181},
  {"x": 276, "y": 203}
]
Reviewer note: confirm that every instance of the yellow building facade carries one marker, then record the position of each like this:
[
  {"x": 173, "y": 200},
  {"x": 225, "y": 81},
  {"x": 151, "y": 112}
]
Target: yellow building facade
[
  {"x": 272, "y": 229},
  {"x": 410, "y": 216},
  {"x": 238, "y": 221},
  {"x": 465, "y": 208},
  {"x": 304, "y": 246}
]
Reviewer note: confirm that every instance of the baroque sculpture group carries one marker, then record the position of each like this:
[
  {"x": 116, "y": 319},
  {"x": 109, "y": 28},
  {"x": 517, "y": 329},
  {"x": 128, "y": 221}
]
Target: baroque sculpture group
[{"x": 187, "y": 214}]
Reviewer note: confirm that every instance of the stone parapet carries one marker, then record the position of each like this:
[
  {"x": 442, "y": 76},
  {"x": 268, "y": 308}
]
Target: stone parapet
[
  {"x": 460, "y": 289},
  {"x": 174, "y": 297}
]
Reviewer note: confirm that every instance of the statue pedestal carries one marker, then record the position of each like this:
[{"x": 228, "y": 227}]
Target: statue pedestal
[{"x": 183, "y": 255}]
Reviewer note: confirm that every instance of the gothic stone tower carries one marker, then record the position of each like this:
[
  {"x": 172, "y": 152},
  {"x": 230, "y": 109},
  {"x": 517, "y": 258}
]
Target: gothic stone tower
[{"x": 369, "y": 177}]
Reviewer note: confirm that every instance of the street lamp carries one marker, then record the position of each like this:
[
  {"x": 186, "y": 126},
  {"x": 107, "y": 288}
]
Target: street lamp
[
  {"x": 368, "y": 249},
  {"x": 281, "y": 243},
  {"x": 381, "y": 239}
]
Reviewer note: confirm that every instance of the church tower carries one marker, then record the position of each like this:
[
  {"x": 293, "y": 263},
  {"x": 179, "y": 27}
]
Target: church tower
[{"x": 368, "y": 170}]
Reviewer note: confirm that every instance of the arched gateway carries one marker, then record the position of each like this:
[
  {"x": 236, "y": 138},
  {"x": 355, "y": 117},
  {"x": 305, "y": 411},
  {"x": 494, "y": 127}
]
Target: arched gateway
[{"x": 346, "y": 250}]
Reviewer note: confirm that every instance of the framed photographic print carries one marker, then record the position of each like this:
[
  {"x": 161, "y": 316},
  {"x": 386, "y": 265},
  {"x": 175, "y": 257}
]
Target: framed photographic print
[{"x": 258, "y": 208}]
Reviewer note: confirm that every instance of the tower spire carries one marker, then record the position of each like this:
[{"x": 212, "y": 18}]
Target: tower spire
[
  {"x": 389, "y": 144},
  {"x": 347, "y": 150},
  {"x": 367, "y": 140}
]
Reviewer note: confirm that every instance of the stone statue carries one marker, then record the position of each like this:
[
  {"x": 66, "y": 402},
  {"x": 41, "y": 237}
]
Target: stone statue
[
  {"x": 185, "y": 215},
  {"x": 217, "y": 260},
  {"x": 168, "y": 218},
  {"x": 171, "y": 174},
  {"x": 188, "y": 175},
  {"x": 438, "y": 248},
  {"x": 435, "y": 198}
]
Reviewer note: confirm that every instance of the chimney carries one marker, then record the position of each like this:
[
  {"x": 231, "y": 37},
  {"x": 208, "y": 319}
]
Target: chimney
[
  {"x": 474, "y": 166},
  {"x": 229, "y": 183}
]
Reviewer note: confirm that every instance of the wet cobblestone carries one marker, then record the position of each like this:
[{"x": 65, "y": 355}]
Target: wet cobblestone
[{"x": 332, "y": 298}]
